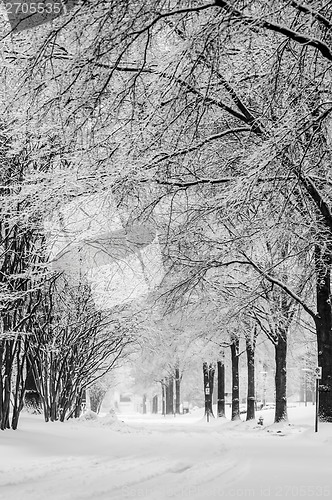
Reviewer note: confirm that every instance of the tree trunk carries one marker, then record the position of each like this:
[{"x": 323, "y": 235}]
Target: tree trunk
[
  {"x": 155, "y": 404},
  {"x": 32, "y": 397},
  {"x": 169, "y": 396},
  {"x": 177, "y": 390},
  {"x": 235, "y": 379},
  {"x": 163, "y": 397},
  {"x": 212, "y": 370},
  {"x": 221, "y": 388},
  {"x": 250, "y": 349},
  {"x": 79, "y": 404},
  {"x": 324, "y": 333},
  {"x": 20, "y": 383},
  {"x": 7, "y": 363},
  {"x": 97, "y": 395},
  {"x": 281, "y": 376},
  {"x": 208, "y": 375}
]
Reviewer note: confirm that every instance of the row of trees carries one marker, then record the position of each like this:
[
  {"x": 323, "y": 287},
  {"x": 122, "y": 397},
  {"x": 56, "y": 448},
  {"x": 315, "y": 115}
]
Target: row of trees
[
  {"x": 54, "y": 342},
  {"x": 248, "y": 177},
  {"x": 239, "y": 343},
  {"x": 63, "y": 348},
  {"x": 72, "y": 347},
  {"x": 212, "y": 122}
]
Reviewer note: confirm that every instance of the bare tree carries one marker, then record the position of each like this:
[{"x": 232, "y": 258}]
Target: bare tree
[
  {"x": 72, "y": 346},
  {"x": 233, "y": 108}
]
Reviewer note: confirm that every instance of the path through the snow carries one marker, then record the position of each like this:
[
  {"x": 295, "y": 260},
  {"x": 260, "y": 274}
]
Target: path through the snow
[{"x": 156, "y": 458}]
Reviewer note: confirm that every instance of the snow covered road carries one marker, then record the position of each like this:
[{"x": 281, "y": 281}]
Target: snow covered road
[{"x": 157, "y": 459}]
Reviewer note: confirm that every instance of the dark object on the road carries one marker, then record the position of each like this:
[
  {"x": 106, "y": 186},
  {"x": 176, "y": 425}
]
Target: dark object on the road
[{"x": 260, "y": 420}]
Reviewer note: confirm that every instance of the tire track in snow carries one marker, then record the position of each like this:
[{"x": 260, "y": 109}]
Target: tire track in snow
[
  {"x": 178, "y": 480},
  {"x": 77, "y": 479}
]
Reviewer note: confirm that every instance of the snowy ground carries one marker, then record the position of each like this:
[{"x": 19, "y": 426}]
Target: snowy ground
[{"x": 156, "y": 458}]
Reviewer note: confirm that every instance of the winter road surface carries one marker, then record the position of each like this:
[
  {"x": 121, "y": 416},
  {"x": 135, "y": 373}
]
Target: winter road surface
[{"x": 156, "y": 458}]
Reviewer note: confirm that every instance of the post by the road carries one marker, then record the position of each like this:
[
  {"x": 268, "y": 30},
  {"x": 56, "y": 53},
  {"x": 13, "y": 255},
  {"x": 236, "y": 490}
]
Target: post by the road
[{"x": 318, "y": 374}]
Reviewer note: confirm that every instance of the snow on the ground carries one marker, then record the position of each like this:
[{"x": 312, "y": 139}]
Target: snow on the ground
[{"x": 157, "y": 458}]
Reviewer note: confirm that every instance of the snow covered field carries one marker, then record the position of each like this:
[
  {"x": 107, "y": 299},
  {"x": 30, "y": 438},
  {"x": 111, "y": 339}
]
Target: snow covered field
[{"x": 156, "y": 458}]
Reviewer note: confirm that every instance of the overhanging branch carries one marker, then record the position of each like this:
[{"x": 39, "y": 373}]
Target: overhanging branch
[
  {"x": 282, "y": 285},
  {"x": 300, "y": 38},
  {"x": 205, "y": 141},
  {"x": 313, "y": 13}
]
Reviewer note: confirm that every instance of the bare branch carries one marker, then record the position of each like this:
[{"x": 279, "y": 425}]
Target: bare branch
[
  {"x": 308, "y": 10},
  {"x": 203, "y": 143},
  {"x": 165, "y": 15},
  {"x": 317, "y": 197},
  {"x": 278, "y": 28},
  {"x": 282, "y": 285}
]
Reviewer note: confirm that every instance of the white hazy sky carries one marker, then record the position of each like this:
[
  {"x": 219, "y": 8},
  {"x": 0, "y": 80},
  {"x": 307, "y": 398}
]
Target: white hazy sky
[{"x": 86, "y": 239}]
